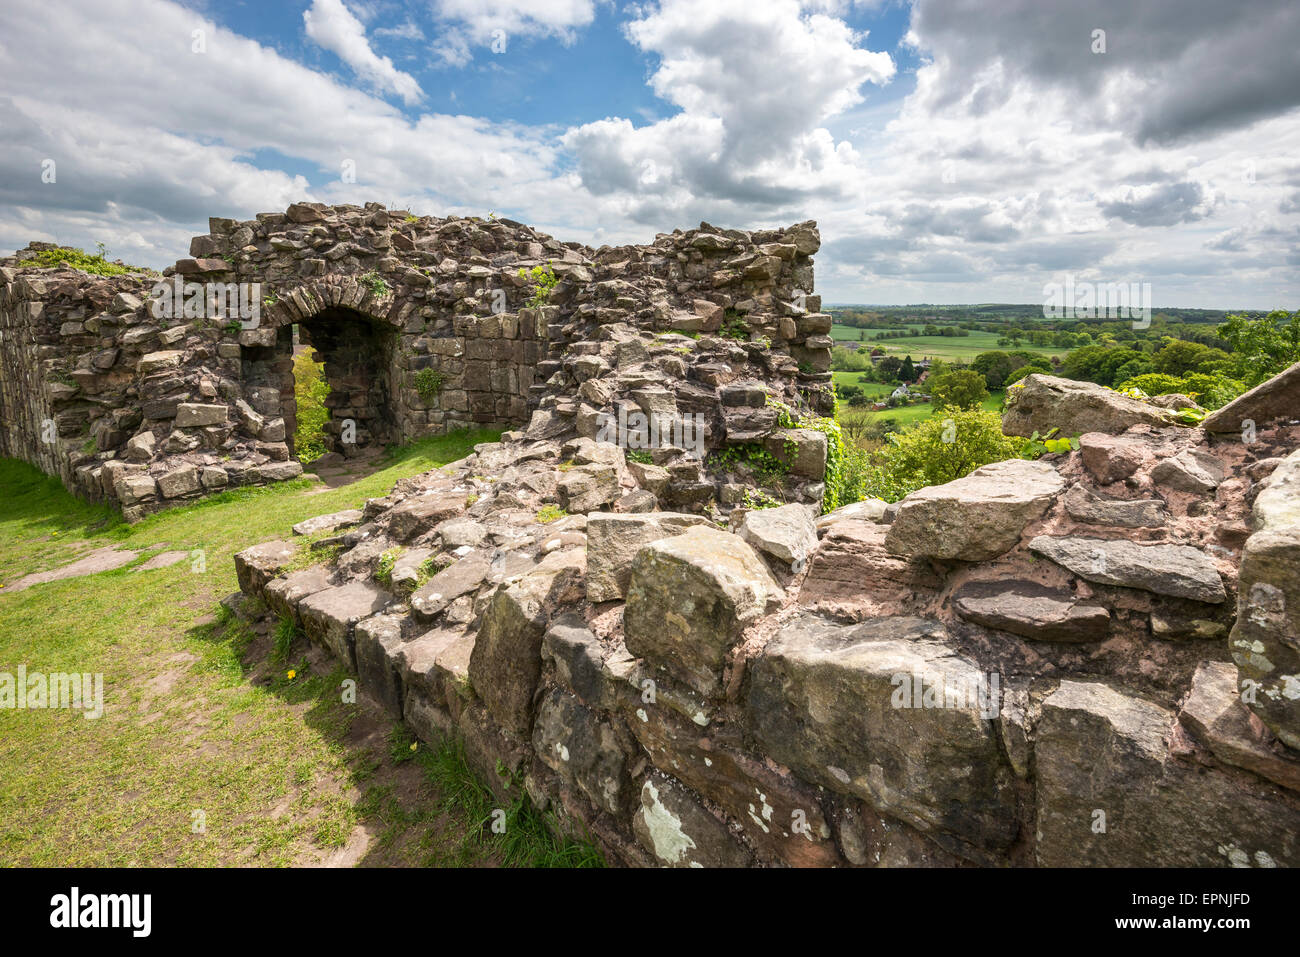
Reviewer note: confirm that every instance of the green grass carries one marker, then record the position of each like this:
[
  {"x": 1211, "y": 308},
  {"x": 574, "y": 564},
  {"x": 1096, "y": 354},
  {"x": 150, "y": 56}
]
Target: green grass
[
  {"x": 964, "y": 349},
  {"x": 80, "y": 259},
  {"x": 908, "y": 414},
  {"x": 198, "y": 715}
]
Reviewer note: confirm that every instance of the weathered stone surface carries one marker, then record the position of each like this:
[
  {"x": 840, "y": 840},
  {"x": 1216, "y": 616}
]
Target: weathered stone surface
[
  {"x": 179, "y": 482},
  {"x": 786, "y": 533},
  {"x": 256, "y": 566},
  {"x": 778, "y": 815},
  {"x": 672, "y": 825},
  {"x": 1109, "y": 795},
  {"x": 1032, "y": 611},
  {"x": 1278, "y": 398},
  {"x": 461, "y": 578},
  {"x": 802, "y": 450},
  {"x": 1215, "y": 715},
  {"x": 1112, "y": 458},
  {"x": 886, "y": 711},
  {"x": 329, "y": 523},
  {"x": 328, "y": 616},
  {"x": 977, "y": 517},
  {"x": 867, "y": 510},
  {"x": 851, "y": 571},
  {"x": 1046, "y": 402},
  {"x": 577, "y": 655},
  {"x": 586, "y": 488},
  {"x": 195, "y": 414},
  {"x": 613, "y": 541},
  {"x": 1084, "y": 505},
  {"x": 688, "y": 598},
  {"x": 1176, "y": 570},
  {"x": 283, "y": 595},
  {"x": 378, "y": 643},
  {"x": 413, "y": 518},
  {"x": 582, "y": 747},
  {"x": 507, "y": 657},
  {"x": 1265, "y": 641},
  {"x": 1189, "y": 471}
]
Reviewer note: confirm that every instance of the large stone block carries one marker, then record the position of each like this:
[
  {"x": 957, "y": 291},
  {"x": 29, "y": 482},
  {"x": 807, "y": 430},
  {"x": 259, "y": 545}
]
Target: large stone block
[
  {"x": 507, "y": 658},
  {"x": 888, "y": 712},
  {"x": 329, "y": 616},
  {"x": 614, "y": 539},
  {"x": 1109, "y": 794},
  {"x": 1265, "y": 642},
  {"x": 1180, "y": 571},
  {"x": 977, "y": 517},
  {"x": 688, "y": 599},
  {"x": 1040, "y": 403}
]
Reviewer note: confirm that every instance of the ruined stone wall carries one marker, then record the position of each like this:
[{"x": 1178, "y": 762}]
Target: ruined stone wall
[
  {"x": 425, "y": 325},
  {"x": 1084, "y": 660}
]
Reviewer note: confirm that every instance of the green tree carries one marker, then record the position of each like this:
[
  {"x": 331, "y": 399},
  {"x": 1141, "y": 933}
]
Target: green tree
[
  {"x": 908, "y": 372},
  {"x": 1177, "y": 357},
  {"x": 957, "y": 389},
  {"x": 1263, "y": 347},
  {"x": 939, "y": 449}
]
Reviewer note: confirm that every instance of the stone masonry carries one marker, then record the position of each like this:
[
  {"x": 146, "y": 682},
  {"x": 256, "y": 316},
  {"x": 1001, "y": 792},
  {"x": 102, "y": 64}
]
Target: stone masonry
[
  {"x": 1084, "y": 660},
  {"x": 424, "y": 325}
]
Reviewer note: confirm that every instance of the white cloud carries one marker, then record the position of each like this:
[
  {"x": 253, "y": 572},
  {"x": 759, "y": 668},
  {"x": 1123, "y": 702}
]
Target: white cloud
[
  {"x": 754, "y": 83},
  {"x": 498, "y": 23},
  {"x": 331, "y": 25}
]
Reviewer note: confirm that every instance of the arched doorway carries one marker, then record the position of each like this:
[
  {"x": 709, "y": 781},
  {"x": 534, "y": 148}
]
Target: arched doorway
[{"x": 358, "y": 354}]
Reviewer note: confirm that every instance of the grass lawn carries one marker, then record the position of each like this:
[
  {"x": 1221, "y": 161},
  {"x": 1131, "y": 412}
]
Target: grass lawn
[
  {"x": 909, "y": 414},
  {"x": 198, "y": 728},
  {"x": 965, "y": 348}
]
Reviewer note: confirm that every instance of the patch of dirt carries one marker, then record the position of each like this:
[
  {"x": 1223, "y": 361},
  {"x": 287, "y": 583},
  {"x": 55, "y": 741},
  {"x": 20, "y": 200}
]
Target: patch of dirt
[
  {"x": 162, "y": 560},
  {"x": 335, "y": 470},
  {"x": 100, "y": 560}
]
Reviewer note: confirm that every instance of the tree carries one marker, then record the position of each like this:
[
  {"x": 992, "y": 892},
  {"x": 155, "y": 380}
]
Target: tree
[
  {"x": 908, "y": 372},
  {"x": 1263, "y": 347},
  {"x": 890, "y": 366},
  {"x": 1178, "y": 358},
  {"x": 937, "y": 450},
  {"x": 957, "y": 389}
]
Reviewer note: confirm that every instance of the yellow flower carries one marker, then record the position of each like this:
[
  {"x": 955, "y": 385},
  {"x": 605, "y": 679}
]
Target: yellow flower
[
  {"x": 292, "y": 674},
  {"x": 414, "y": 745}
]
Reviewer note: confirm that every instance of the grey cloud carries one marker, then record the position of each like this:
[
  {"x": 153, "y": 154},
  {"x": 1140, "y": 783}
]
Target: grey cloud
[{"x": 1164, "y": 205}]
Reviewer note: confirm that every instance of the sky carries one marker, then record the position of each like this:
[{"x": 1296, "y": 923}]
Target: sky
[{"x": 952, "y": 151}]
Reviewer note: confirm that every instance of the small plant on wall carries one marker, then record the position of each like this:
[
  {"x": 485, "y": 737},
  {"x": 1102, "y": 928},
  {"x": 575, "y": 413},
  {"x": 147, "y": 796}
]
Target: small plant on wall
[
  {"x": 375, "y": 283},
  {"x": 428, "y": 382},
  {"x": 544, "y": 280}
]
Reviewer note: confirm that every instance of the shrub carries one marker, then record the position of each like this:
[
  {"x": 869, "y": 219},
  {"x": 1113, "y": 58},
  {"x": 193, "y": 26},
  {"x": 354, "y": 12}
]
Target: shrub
[
  {"x": 1210, "y": 390},
  {"x": 428, "y": 383},
  {"x": 937, "y": 450},
  {"x": 544, "y": 281}
]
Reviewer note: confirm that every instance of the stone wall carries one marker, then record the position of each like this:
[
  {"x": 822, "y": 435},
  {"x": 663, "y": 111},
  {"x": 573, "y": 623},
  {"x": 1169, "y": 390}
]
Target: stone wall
[
  {"x": 1084, "y": 660},
  {"x": 424, "y": 325}
]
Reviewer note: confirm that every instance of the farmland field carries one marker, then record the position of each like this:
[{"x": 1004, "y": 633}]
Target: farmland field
[
  {"x": 965, "y": 348},
  {"x": 906, "y": 415}
]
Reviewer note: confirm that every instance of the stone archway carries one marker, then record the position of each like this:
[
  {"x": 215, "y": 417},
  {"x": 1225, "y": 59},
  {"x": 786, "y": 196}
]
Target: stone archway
[{"x": 358, "y": 354}]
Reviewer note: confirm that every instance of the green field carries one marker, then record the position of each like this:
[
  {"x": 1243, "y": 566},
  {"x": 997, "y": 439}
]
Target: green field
[
  {"x": 906, "y": 415},
  {"x": 938, "y": 347}
]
